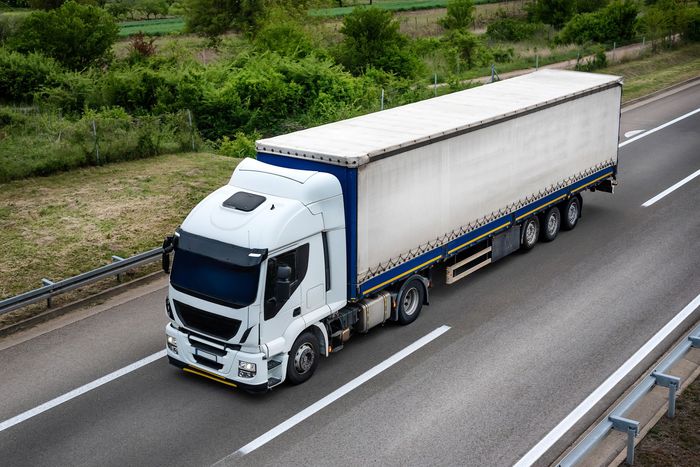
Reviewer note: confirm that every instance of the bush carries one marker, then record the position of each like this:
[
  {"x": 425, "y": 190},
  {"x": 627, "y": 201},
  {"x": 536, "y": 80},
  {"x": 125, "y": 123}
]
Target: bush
[
  {"x": 508, "y": 29},
  {"x": 615, "y": 23},
  {"x": 554, "y": 12},
  {"x": 9, "y": 24},
  {"x": 287, "y": 38},
  {"x": 469, "y": 48},
  {"x": 75, "y": 35},
  {"x": 214, "y": 17},
  {"x": 599, "y": 60},
  {"x": 23, "y": 75},
  {"x": 372, "y": 39},
  {"x": 460, "y": 14},
  {"x": 241, "y": 146}
]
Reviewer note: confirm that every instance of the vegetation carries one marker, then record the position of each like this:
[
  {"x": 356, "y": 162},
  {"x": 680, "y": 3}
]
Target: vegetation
[
  {"x": 75, "y": 35},
  {"x": 617, "y": 22},
  {"x": 460, "y": 14}
]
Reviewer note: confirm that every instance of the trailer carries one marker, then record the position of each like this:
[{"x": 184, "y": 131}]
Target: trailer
[{"x": 336, "y": 229}]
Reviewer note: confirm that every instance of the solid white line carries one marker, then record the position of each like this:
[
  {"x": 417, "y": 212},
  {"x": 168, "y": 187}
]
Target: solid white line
[
  {"x": 671, "y": 189},
  {"x": 337, "y": 394},
  {"x": 565, "y": 425},
  {"x": 79, "y": 391},
  {"x": 661, "y": 127}
]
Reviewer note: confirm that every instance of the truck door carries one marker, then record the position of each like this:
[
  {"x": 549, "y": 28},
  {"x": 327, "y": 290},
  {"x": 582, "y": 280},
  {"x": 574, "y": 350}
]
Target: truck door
[{"x": 282, "y": 301}]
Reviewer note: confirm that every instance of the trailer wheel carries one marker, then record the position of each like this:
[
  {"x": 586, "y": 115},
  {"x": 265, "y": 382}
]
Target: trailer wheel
[
  {"x": 551, "y": 223},
  {"x": 570, "y": 213},
  {"x": 303, "y": 358},
  {"x": 531, "y": 231},
  {"x": 411, "y": 300}
]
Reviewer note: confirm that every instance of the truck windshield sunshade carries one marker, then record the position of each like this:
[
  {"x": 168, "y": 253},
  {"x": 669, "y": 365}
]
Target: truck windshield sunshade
[
  {"x": 220, "y": 251},
  {"x": 244, "y": 201}
]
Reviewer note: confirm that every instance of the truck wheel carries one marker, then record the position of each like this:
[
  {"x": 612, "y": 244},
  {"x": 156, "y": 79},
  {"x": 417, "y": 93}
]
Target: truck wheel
[
  {"x": 570, "y": 213},
  {"x": 531, "y": 230},
  {"x": 410, "y": 301},
  {"x": 303, "y": 358},
  {"x": 551, "y": 223}
]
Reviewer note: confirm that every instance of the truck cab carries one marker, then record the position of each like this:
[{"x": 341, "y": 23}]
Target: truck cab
[{"x": 256, "y": 265}]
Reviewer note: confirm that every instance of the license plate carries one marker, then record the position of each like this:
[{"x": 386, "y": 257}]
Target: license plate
[{"x": 204, "y": 354}]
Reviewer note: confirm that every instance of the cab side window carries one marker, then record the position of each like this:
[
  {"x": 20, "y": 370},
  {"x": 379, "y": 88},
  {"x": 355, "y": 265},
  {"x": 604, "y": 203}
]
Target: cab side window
[{"x": 284, "y": 274}]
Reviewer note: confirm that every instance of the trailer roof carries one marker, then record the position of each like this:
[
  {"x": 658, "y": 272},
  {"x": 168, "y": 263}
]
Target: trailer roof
[{"x": 359, "y": 140}]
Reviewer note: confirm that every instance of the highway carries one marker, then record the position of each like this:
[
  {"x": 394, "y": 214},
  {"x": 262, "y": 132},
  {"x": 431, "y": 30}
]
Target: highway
[{"x": 529, "y": 338}]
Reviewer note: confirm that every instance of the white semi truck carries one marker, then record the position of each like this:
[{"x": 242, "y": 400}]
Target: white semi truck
[{"x": 335, "y": 229}]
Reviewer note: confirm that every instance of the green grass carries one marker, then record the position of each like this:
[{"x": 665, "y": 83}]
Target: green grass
[
  {"x": 154, "y": 27},
  {"x": 393, "y": 5},
  {"x": 658, "y": 71},
  {"x": 65, "y": 224}
]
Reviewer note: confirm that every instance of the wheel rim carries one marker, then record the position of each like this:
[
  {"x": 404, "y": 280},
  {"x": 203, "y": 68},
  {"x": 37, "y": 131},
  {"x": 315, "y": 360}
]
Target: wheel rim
[
  {"x": 552, "y": 224},
  {"x": 530, "y": 233},
  {"x": 304, "y": 358},
  {"x": 572, "y": 213},
  {"x": 410, "y": 301}
]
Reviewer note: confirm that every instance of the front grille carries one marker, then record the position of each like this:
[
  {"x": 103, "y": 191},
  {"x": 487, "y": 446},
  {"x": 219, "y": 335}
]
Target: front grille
[{"x": 208, "y": 323}]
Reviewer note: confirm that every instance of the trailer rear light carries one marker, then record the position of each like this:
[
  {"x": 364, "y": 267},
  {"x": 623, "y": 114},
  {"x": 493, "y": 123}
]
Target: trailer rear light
[{"x": 172, "y": 344}]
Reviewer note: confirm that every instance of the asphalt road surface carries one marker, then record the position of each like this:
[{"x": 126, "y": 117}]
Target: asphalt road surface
[{"x": 530, "y": 337}]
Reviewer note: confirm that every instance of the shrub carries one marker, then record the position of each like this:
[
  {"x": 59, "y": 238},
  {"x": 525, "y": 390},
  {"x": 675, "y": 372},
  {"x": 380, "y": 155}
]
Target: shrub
[
  {"x": 214, "y": 17},
  {"x": 241, "y": 146},
  {"x": 460, "y": 14},
  {"x": 599, "y": 60},
  {"x": 75, "y": 35},
  {"x": 9, "y": 24},
  {"x": 372, "y": 39},
  {"x": 286, "y": 38},
  {"x": 468, "y": 47},
  {"x": 554, "y": 12},
  {"x": 508, "y": 29},
  {"x": 616, "y": 22},
  {"x": 140, "y": 47},
  {"x": 22, "y": 75}
]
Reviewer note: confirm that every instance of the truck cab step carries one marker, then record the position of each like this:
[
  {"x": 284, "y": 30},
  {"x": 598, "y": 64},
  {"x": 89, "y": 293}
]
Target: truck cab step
[
  {"x": 272, "y": 382},
  {"x": 273, "y": 364}
]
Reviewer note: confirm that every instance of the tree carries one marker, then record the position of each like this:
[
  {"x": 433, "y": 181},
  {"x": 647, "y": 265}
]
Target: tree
[
  {"x": 372, "y": 40},
  {"x": 214, "y": 17},
  {"x": 554, "y": 12},
  {"x": 616, "y": 22},
  {"x": 75, "y": 35},
  {"x": 460, "y": 14},
  {"x": 468, "y": 47}
]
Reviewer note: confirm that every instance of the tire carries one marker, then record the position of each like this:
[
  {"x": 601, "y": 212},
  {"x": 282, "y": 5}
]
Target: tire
[
  {"x": 530, "y": 233},
  {"x": 410, "y": 301},
  {"x": 571, "y": 211},
  {"x": 551, "y": 223},
  {"x": 303, "y": 358}
]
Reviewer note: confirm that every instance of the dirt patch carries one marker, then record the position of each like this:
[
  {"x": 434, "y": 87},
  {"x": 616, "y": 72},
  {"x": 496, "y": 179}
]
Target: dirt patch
[{"x": 675, "y": 442}]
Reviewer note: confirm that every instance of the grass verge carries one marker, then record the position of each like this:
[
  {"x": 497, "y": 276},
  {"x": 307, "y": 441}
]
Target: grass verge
[
  {"x": 674, "y": 442},
  {"x": 658, "y": 71},
  {"x": 65, "y": 224},
  {"x": 392, "y": 5}
]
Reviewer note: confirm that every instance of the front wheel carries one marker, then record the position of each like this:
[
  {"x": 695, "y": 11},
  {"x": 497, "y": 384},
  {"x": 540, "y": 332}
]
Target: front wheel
[
  {"x": 303, "y": 358},
  {"x": 410, "y": 301}
]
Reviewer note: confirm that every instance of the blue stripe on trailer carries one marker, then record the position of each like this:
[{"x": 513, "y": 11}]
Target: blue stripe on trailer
[
  {"x": 348, "y": 181},
  {"x": 401, "y": 271}
]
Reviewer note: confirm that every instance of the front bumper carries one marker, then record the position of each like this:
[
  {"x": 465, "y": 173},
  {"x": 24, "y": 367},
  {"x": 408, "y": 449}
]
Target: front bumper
[{"x": 223, "y": 369}]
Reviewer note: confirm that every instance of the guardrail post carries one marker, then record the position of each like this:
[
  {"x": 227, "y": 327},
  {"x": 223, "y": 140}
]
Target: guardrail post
[
  {"x": 116, "y": 259},
  {"x": 672, "y": 383},
  {"x": 46, "y": 282},
  {"x": 631, "y": 427},
  {"x": 694, "y": 341}
]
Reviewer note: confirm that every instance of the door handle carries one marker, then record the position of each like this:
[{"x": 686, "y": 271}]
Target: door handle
[{"x": 297, "y": 311}]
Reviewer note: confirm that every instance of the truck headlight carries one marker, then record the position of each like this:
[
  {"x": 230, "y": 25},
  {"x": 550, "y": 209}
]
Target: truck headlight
[
  {"x": 171, "y": 342},
  {"x": 246, "y": 369}
]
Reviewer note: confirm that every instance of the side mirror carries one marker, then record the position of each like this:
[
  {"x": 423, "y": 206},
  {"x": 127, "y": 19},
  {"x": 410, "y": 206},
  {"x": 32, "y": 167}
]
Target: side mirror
[{"x": 167, "y": 248}]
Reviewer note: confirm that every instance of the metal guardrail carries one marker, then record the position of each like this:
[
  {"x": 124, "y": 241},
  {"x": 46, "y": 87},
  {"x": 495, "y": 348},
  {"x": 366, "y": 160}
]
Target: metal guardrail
[
  {"x": 616, "y": 420},
  {"x": 51, "y": 289}
]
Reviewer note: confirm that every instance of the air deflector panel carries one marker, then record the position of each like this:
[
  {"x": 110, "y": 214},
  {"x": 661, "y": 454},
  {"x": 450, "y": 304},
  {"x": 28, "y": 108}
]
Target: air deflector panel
[{"x": 244, "y": 201}]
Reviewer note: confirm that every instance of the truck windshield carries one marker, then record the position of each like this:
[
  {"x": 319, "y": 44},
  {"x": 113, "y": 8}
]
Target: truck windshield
[{"x": 217, "y": 272}]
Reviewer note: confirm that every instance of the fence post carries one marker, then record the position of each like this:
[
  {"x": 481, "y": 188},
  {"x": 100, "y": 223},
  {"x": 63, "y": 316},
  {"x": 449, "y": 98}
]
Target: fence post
[
  {"x": 382, "y": 105},
  {"x": 435, "y": 84},
  {"x": 537, "y": 62},
  {"x": 613, "y": 55},
  {"x": 189, "y": 122},
  {"x": 46, "y": 282},
  {"x": 97, "y": 147}
]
